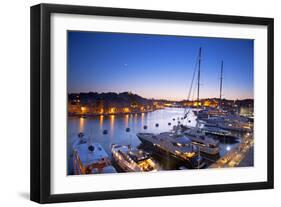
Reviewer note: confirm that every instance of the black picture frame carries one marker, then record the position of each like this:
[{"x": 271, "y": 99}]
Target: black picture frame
[{"x": 41, "y": 96}]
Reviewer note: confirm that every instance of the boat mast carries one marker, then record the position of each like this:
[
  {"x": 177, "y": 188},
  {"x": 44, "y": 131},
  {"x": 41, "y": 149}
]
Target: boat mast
[
  {"x": 198, "y": 81},
  {"x": 220, "y": 105},
  {"x": 198, "y": 86}
]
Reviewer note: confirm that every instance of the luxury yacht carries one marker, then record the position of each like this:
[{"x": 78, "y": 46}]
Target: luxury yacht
[
  {"x": 204, "y": 142},
  {"x": 219, "y": 133},
  {"x": 231, "y": 123},
  {"x": 211, "y": 112},
  {"x": 91, "y": 159},
  {"x": 216, "y": 131},
  {"x": 175, "y": 146},
  {"x": 132, "y": 159}
]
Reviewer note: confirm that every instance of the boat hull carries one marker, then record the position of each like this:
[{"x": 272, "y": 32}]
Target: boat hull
[{"x": 162, "y": 153}]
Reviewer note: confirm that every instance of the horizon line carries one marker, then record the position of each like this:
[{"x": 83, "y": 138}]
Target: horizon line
[{"x": 160, "y": 98}]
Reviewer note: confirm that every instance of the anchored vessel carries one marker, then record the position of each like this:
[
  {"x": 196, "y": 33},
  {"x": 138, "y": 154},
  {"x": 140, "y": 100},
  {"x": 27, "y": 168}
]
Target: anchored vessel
[
  {"x": 91, "y": 159},
  {"x": 219, "y": 133},
  {"x": 205, "y": 143},
  {"x": 230, "y": 123},
  {"x": 132, "y": 159},
  {"x": 177, "y": 147}
]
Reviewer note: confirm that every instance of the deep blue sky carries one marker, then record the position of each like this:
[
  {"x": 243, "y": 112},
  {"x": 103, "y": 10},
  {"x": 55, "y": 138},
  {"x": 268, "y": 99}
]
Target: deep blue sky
[{"x": 155, "y": 66}]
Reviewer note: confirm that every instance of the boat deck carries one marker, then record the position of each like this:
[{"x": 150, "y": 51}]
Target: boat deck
[{"x": 88, "y": 157}]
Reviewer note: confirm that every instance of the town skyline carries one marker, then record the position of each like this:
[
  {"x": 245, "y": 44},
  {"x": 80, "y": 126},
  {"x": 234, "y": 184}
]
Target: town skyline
[
  {"x": 163, "y": 99},
  {"x": 158, "y": 67}
]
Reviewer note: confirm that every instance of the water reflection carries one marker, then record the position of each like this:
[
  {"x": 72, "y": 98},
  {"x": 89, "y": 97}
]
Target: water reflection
[
  {"x": 142, "y": 119},
  {"x": 112, "y": 119},
  {"x": 81, "y": 124},
  {"x": 126, "y": 120},
  {"x": 101, "y": 121}
]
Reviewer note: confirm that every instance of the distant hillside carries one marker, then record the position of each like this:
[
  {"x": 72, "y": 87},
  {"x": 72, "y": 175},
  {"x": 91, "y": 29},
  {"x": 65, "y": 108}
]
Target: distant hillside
[
  {"x": 125, "y": 99},
  {"x": 107, "y": 103}
]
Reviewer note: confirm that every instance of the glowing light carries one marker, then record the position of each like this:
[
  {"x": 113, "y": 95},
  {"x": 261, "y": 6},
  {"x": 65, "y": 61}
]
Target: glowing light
[
  {"x": 81, "y": 124},
  {"x": 83, "y": 109},
  {"x": 111, "y": 123},
  {"x": 101, "y": 111},
  {"x": 190, "y": 154},
  {"x": 126, "y": 110},
  {"x": 126, "y": 120},
  {"x": 112, "y": 110},
  {"x": 228, "y": 148},
  {"x": 197, "y": 103},
  {"x": 167, "y": 104},
  {"x": 101, "y": 120}
]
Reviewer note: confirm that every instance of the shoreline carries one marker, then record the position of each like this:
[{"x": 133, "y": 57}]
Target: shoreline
[
  {"x": 108, "y": 114},
  {"x": 120, "y": 113}
]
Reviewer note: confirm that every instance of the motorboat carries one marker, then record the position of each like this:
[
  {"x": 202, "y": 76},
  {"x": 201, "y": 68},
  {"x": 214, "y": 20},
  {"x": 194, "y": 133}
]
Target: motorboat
[{"x": 132, "y": 159}]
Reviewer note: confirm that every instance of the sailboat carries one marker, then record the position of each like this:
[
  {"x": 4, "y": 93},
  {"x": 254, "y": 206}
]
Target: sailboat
[
  {"x": 219, "y": 122},
  {"x": 215, "y": 114},
  {"x": 205, "y": 143}
]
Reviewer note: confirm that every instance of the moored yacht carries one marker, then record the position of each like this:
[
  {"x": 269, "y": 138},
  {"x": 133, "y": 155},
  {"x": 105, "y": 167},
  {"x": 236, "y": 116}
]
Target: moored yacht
[
  {"x": 216, "y": 131},
  {"x": 230, "y": 123},
  {"x": 132, "y": 160},
  {"x": 198, "y": 138},
  {"x": 175, "y": 146},
  {"x": 91, "y": 159},
  {"x": 205, "y": 143},
  {"x": 219, "y": 133}
]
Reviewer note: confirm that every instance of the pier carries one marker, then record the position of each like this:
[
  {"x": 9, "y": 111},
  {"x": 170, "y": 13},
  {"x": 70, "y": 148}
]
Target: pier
[{"x": 234, "y": 157}]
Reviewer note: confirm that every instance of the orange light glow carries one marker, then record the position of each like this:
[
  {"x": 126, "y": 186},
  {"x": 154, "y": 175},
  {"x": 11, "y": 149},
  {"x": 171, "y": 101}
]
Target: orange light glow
[
  {"x": 126, "y": 110},
  {"x": 101, "y": 120},
  {"x": 112, "y": 110},
  {"x": 81, "y": 124}
]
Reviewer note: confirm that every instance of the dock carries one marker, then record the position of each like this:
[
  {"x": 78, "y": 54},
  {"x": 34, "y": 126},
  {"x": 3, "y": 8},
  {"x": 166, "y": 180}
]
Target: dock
[{"x": 237, "y": 155}]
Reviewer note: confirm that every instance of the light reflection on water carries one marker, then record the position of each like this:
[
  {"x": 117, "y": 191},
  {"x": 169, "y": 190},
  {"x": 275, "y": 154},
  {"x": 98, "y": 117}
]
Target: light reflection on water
[{"x": 116, "y": 126}]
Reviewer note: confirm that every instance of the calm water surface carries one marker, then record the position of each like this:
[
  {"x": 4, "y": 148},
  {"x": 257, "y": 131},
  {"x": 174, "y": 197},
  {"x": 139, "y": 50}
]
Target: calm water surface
[{"x": 117, "y": 124}]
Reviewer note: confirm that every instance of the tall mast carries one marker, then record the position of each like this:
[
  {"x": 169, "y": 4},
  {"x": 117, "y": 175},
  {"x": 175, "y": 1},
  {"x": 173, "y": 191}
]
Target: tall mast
[
  {"x": 198, "y": 86},
  {"x": 198, "y": 81},
  {"x": 221, "y": 83}
]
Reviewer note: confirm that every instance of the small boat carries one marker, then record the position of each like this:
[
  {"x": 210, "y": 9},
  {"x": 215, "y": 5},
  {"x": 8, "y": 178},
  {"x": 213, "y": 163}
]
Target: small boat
[
  {"x": 132, "y": 159},
  {"x": 91, "y": 159}
]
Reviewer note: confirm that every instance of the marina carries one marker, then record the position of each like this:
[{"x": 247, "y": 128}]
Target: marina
[{"x": 116, "y": 127}]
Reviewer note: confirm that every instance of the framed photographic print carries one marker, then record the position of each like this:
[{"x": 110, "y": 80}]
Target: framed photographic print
[{"x": 132, "y": 103}]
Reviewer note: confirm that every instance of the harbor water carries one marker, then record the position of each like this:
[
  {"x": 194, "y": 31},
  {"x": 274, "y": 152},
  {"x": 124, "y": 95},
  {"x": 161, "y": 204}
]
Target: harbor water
[{"x": 116, "y": 125}]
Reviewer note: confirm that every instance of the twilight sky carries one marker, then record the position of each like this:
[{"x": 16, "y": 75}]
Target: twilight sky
[{"x": 155, "y": 66}]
